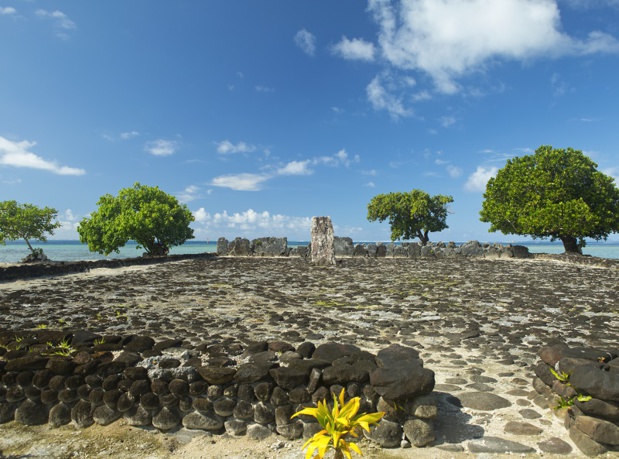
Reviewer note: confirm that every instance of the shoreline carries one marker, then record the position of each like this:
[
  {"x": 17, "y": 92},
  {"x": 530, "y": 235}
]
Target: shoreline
[{"x": 478, "y": 324}]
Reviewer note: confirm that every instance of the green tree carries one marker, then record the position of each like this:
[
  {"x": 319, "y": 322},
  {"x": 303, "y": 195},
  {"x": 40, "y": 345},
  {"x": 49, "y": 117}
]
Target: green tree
[
  {"x": 26, "y": 221},
  {"x": 146, "y": 215},
  {"x": 412, "y": 214},
  {"x": 555, "y": 193}
]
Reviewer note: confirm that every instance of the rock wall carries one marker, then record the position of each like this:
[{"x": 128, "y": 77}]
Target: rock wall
[
  {"x": 581, "y": 385},
  {"x": 250, "y": 389},
  {"x": 344, "y": 247}
]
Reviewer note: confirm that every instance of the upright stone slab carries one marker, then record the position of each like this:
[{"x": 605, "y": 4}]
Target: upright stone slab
[{"x": 323, "y": 248}]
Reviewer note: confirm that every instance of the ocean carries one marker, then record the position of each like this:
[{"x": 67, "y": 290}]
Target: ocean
[{"x": 14, "y": 251}]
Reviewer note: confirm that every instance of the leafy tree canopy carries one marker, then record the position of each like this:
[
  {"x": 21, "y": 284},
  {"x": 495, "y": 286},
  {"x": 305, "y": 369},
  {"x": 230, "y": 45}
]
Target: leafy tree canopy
[
  {"x": 146, "y": 215},
  {"x": 555, "y": 193},
  {"x": 413, "y": 214},
  {"x": 26, "y": 221}
]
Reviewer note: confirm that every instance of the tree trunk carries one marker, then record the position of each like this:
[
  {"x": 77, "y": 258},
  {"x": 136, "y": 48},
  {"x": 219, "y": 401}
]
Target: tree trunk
[
  {"x": 570, "y": 244},
  {"x": 29, "y": 246},
  {"x": 423, "y": 237}
]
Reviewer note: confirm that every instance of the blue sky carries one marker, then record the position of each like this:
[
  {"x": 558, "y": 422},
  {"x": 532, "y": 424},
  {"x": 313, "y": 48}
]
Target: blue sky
[{"x": 261, "y": 114}]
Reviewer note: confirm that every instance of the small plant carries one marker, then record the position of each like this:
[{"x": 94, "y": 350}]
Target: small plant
[
  {"x": 63, "y": 348},
  {"x": 336, "y": 424},
  {"x": 41, "y": 326},
  {"x": 61, "y": 321},
  {"x": 561, "y": 376},
  {"x": 99, "y": 341}
]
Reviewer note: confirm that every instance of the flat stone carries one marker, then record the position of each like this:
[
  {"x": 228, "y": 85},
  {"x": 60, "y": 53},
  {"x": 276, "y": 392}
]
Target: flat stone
[
  {"x": 203, "y": 421},
  {"x": 585, "y": 444},
  {"x": 258, "y": 432},
  {"x": 483, "y": 401},
  {"x": 529, "y": 414},
  {"x": 554, "y": 445},
  {"x": 498, "y": 446},
  {"x": 522, "y": 428}
]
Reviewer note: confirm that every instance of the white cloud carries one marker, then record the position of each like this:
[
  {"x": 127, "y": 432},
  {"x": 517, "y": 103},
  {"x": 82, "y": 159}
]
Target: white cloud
[
  {"x": 370, "y": 185},
  {"x": 306, "y": 41},
  {"x": 340, "y": 158},
  {"x": 371, "y": 172},
  {"x": 612, "y": 172},
  {"x": 381, "y": 99},
  {"x": 17, "y": 154},
  {"x": 6, "y": 10},
  {"x": 129, "y": 135},
  {"x": 261, "y": 88},
  {"x": 189, "y": 194},
  {"x": 450, "y": 38},
  {"x": 477, "y": 180},
  {"x": 226, "y": 147},
  {"x": 447, "y": 121},
  {"x": 62, "y": 24},
  {"x": 355, "y": 49},
  {"x": 453, "y": 171},
  {"x": 241, "y": 182},
  {"x": 296, "y": 168},
  {"x": 252, "y": 223},
  {"x": 161, "y": 147}
]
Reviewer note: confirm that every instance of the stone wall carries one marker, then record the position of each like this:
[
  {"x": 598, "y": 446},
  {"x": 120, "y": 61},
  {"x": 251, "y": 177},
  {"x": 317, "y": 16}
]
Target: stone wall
[
  {"x": 344, "y": 247},
  {"x": 581, "y": 385},
  {"x": 251, "y": 389}
]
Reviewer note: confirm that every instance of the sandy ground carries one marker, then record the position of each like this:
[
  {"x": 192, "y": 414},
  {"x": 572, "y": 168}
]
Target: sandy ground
[{"x": 477, "y": 323}]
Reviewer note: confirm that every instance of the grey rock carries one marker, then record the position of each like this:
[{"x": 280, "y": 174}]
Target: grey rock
[
  {"x": 30, "y": 413},
  {"x": 419, "y": 432},
  {"x": 138, "y": 417},
  {"x": 269, "y": 246},
  {"x": 252, "y": 372},
  {"x": 322, "y": 245},
  {"x": 528, "y": 413},
  {"x": 7, "y": 412},
  {"x": 283, "y": 415},
  {"x": 344, "y": 373},
  {"x": 235, "y": 427},
  {"x": 81, "y": 414},
  {"x": 483, "y": 401},
  {"x": 522, "y": 428},
  {"x": 289, "y": 377},
  {"x": 263, "y": 413},
  {"x": 498, "y": 446},
  {"x": 258, "y": 432},
  {"x": 343, "y": 246},
  {"x": 224, "y": 406},
  {"x": 240, "y": 247},
  {"x": 424, "y": 407},
  {"x": 203, "y": 421},
  {"x": 215, "y": 375},
  {"x": 222, "y": 246},
  {"x": 104, "y": 415},
  {"x": 166, "y": 419},
  {"x": 599, "y": 409},
  {"x": 291, "y": 431},
  {"x": 597, "y": 429},
  {"x": 403, "y": 382},
  {"x": 585, "y": 444},
  {"x": 387, "y": 434},
  {"x": 554, "y": 445},
  {"x": 59, "y": 415},
  {"x": 394, "y": 354},
  {"x": 595, "y": 381},
  {"x": 244, "y": 410}
]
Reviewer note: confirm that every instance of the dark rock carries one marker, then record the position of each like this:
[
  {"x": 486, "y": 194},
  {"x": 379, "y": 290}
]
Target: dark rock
[
  {"x": 419, "y": 432},
  {"x": 235, "y": 427},
  {"x": 214, "y": 392},
  {"x": 283, "y": 414},
  {"x": 203, "y": 421},
  {"x": 15, "y": 394},
  {"x": 553, "y": 353},
  {"x": 24, "y": 378},
  {"x": 279, "y": 397},
  {"x": 554, "y": 445},
  {"x": 60, "y": 366},
  {"x": 159, "y": 387},
  {"x": 83, "y": 337},
  {"x": 595, "y": 381},
  {"x": 597, "y": 429},
  {"x": 522, "y": 428},
  {"x": 402, "y": 382},
  {"x": 125, "y": 402},
  {"x": 104, "y": 415},
  {"x": 291, "y": 431},
  {"x": 138, "y": 416},
  {"x": 169, "y": 400},
  {"x": 94, "y": 381},
  {"x": 169, "y": 363},
  {"x": 585, "y": 444},
  {"x": 222, "y": 246},
  {"x": 528, "y": 413},
  {"x": 110, "y": 398},
  {"x": 83, "y": 392},
  {"x": 30, "y": 413},
  {"x": 73, "y": 382},
  {"x": 81, "y": 414},
  {"x": 344, "y": 373},
  {"x": 59, "y": 415},
  {"x": 333, "y": 351},
  {"x": 166, "y": 419},
  {"x": 139, "y": 388},
  {"x": 167, "y": 343},
  {"x": 394, "y": 355},
  {"x": 150, "y": 402},
  {"x": 179, "y": 387},
  {"x": 599, "y": 409},
  {"x": 245, "y": 392},
  {"x": 224, "y": 406},
  {"x": 299, "y": 395},
  {"x": 239, "y": 247},
  {"x": 542, "y": 371},
  {"x": 258, "y": 432},
  {"x": 139, "y": 344},
  {"x": 111, "y": 368},
  {"x": 306, "y": 349},
  {"x": 49, "y": 396},
  {"x": 280, "y": 346},
  {"x": 483, "y": 401},
  {"x": 263, "y": 413},
  {"x": 252, "y": 372},
  {"x": 498, "y": 446},
  {"x": 197, "y": 388},
  {"x": 67, "y": 396},
  {"x": 423, "y": 407},
  {"x": 30, "y": 362},
  {"x": 387, "y": 434},
  {"x": 213, "y": 375},
  {"x": 41, "y": 378},
  {"x": 243, "y": 410},
  {"x": 289, "y": 377},
  {"x": 96, "y": 397}
]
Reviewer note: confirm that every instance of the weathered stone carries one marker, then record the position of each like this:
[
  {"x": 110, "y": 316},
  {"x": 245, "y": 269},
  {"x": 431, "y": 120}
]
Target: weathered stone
[
  {"x": 599, "y": 409},
  {"x": 240, "y": 247},
  {"x": 252, "y": 372},
  {"x": 424, "y": 407},
  {"x": 332, "y": 351},
  {"x": 222, "y": 246},
  {"x": 289, "y": 377},
  {"x": 104, "y": 415},
  {"x": 243, "y": 410},
  {"x": 402, "y": 382},
  {"x": 15, "y": 394},
  {"x": 270, "y": 246},
  {"x": 215, "y": 375},
  {"x": 263, "y": 413},
  {"x": 29, "y": 362},
  {"x": 60, "y": 366},
  {"x": 299, "y": 395},
  {"x": 585, "y": 444},
  {"x": 554, "y": 445},
  {"x": 595, "y": 381},
  {"x": 203, "y": 421},
  {"x": 522, "y": 428},
  {"x": 387, "y": 434},
  {"x": 483, "y": 401},
  {"x": 30, "y": 413},
  {"x": 224, "y": 406},
  {"x": 322, "y": 246},
  {"x": 59, "y": 415},
  {"x": 166, "y": 419},
  {"x": 81, "y": 414},
  {"x": 394, "y": 354},
  {"x": 139, "y": 416},
  {"x": 235, "y": 427},
  {"x": 179, "y": 387},
  {"x": 498, "y": 445},
  {"x": 598, "y": 429},
  {"x": 343, "y": 246},
  {"x": 291, "y": 431},
  {"x": 258, "y": 432},
  {"x": 419, "y": 432}
]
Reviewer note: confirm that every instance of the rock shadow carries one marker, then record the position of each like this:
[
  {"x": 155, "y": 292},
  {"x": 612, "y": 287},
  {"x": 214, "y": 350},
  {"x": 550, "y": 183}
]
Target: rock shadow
[{"x": 452, "y": 425}]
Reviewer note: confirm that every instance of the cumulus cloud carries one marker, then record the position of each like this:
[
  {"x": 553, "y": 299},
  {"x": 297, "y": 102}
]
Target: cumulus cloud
[
  {"x": 251, "y": 222},
  {"x": 306, "y": 41},
  {"x": 448, "y": 39},
  {"x": 355, "y": 49},
  {"x": 7, "y": 10},
  {"x": 477, "y": 180},
  {"x": 189, "y": 194},
  {"x": 62, "y": 24},
  {"x": 381, "y": 99},
  {"x": 296, "y": 168},
  {"x": 340, "y": 158},
  {"x": 454, "y": 172},
  {"x": 226, "y": 147},
  {"x": 161, "y": 147},
  {"x": 17, "y": 154}
]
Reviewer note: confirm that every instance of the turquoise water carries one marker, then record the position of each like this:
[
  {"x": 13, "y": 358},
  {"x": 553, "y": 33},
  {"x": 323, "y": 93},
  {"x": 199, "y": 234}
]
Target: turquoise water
[{"x": 14, "y": 251}]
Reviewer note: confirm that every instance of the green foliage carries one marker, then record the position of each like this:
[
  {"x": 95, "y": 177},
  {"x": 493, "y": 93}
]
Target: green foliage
[
  {"x": 26, "y": 221},
  {"x": 561, "y": 377},
  {"x": 337, "y": 423},
  {"x": 413, "y": 214},
  {"x": 146, "y": 215},
  {"x": 555, "y": 193}
]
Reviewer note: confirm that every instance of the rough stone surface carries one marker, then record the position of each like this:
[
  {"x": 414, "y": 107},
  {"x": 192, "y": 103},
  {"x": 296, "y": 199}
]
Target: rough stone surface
[
  {"x": 419, "y": 432},
  {"x": 483, "y": 401},
  {"x": 322, "y": 246},
  {"x": 498, "y": 445}
]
